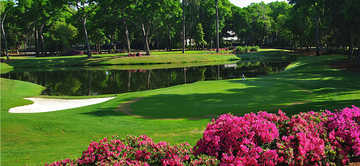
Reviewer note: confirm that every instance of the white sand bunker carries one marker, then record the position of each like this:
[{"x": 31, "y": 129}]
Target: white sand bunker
[{"x": 49, "y": 105}]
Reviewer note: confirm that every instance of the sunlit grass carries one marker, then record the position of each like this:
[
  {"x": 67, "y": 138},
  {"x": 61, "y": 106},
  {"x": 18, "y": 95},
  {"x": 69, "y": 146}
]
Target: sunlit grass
[
  {"x": 175, "y": 114},
  {"x": 4, "y": 68},
  {"x": 157, "y": 57}
]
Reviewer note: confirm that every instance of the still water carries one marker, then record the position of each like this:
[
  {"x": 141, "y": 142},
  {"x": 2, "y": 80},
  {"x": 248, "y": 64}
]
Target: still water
[{"x": 97, "y": 82}]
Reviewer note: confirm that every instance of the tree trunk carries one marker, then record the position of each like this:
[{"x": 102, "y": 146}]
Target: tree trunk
[
  {"x": 157, "y": 43},
  {"x": 4, "y": 36},
  {"x": 127, "y": 37},
  {"x": 184, "y": 34},
  {"x": 41, "y": 39},
  {"x": 111, "y": 44},
  {"x": 357, "y": 55},
  {"x": 98, "y": 48},
  {"x": 37, "y": 48},
  {"x": 86, "y": 38},
  {"x": 26, "y": 43},
  {"x": 217, "y": 26},
  {"x": 317, "y": 35},
  {"x": 147, "y": 48},
  {"x": 170, "y": 44},
  {"x": 351, "y": 50}
]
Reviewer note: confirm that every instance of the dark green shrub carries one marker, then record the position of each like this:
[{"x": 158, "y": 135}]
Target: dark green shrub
[
  {"x": 246, "y": 49},
  {"x": 254, "y": 48}
]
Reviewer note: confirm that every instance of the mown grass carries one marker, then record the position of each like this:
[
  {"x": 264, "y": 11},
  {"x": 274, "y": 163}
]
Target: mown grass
[
  {"x": 158, "y": 60},
  {"x": 4, "y": 68},
  {"x": 157, "y": 57},
  {"x": 175, "y": 114}
]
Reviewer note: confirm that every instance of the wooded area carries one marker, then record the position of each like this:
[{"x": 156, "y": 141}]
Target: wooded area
[{"x": 62, "y": 26}]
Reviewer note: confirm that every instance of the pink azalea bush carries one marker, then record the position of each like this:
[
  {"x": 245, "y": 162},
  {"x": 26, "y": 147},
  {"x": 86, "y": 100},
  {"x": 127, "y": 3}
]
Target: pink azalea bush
[
  {"x": 344, "y": 132},
  {"x": 220, "y": 49},
  {"x": 312, "y": 138},
  {"x": 247, "y": 140},
  {"x": 137, "y": 151},
  {"x": 136, "y": 54}
]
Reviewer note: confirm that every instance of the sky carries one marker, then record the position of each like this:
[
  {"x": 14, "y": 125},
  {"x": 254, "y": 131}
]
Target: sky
[{"x": 244, "y": 3}]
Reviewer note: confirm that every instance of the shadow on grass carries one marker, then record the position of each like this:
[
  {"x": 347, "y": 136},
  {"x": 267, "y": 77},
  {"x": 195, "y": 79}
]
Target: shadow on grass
[
  {"x": 298, "y": 91},
  {"x": 305, "y": 88},
  {"x": 207, "y": 106},
  {"x": 267, "y": 54},
  {"x": 325, "y": 105},
  {"x": 51, "y": 62},
  {"x": 105, "y": 112}
]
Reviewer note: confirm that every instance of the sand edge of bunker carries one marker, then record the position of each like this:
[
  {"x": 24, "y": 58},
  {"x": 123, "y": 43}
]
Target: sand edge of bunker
[{"x": 40, "y": 105}]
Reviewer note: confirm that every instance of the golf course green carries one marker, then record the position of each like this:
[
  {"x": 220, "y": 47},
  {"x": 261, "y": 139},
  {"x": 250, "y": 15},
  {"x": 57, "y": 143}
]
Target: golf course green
[{"x": 175, "y": 114}]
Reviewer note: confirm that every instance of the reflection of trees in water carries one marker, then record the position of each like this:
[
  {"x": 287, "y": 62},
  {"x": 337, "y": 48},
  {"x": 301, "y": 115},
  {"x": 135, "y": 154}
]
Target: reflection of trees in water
[
  {"x": 218, "y": 72},
  {"x": 148, "y": 79},
  {"x": 89, "y": 82},
  {"x": 92, "y": 82},
  {"x": 69, "y": 86},
  {"x": 202, "y": 71},
  {"x": 185, "y": 75},
  {"x": 129, "y": 81}
]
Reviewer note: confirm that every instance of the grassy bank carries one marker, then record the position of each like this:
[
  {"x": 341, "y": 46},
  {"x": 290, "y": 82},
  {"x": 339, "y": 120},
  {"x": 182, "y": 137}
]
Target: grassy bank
[
  {"x": 4, "y": 68},
  {"x": 175, "y": 114},
  {"x": 175, "y": 57},
  {"x": 158, "y": 60}
]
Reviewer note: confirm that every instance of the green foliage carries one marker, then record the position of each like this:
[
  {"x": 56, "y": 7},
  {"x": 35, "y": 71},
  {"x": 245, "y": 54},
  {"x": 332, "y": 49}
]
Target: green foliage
[
  {"x": 246, "y": 49},
  {"x": 276, "y": 24},
  {"x": 254, "y": 48},
  {"x": 61, "y": 36},
  {"x": 199, "y": 36},
  {"x": 262, "y": 24}
]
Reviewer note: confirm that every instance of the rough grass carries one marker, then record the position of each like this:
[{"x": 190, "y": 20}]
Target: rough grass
[{"x": 175, "y": 114}]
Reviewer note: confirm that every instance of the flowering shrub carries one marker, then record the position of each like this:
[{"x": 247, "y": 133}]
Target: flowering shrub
[
  {"x": 220, "y": 49},
  {"x": 247, "y": 140},
  {"x": 135, "y": 54},
  {"x": 139, "y": 70},
  {"x": 344, "y": 133},
  {"x": 137, "y": 151},
  {"x": 312, "y": 138},
  {"x": 302, "y": 143}
]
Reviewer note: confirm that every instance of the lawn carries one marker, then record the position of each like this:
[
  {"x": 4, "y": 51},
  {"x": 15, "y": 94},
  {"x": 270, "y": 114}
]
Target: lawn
[
  {"x": 4, "y": 68},
  {"x": 157, "y": 57},
  {"x": 175, "y": 114}
]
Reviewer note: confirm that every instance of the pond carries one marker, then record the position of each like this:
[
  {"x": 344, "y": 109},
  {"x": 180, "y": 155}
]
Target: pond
[{"x": 86, "y": 82}]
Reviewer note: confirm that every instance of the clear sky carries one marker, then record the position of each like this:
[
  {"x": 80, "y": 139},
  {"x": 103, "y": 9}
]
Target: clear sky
[{"x": 244, "y": 3}]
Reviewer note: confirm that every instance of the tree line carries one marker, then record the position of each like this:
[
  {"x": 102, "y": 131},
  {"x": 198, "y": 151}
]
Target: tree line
[{"x": 60, "y": 26}]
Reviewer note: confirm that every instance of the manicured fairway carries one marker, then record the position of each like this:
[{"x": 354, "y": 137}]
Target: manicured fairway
[{"x": 176, "y": 114}]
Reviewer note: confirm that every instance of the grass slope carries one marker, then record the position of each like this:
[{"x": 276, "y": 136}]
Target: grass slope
[
  {"x": 174, "y": 57},
  {"x": 4, "y": 68},
  {"x": 175, "y": 114}
]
